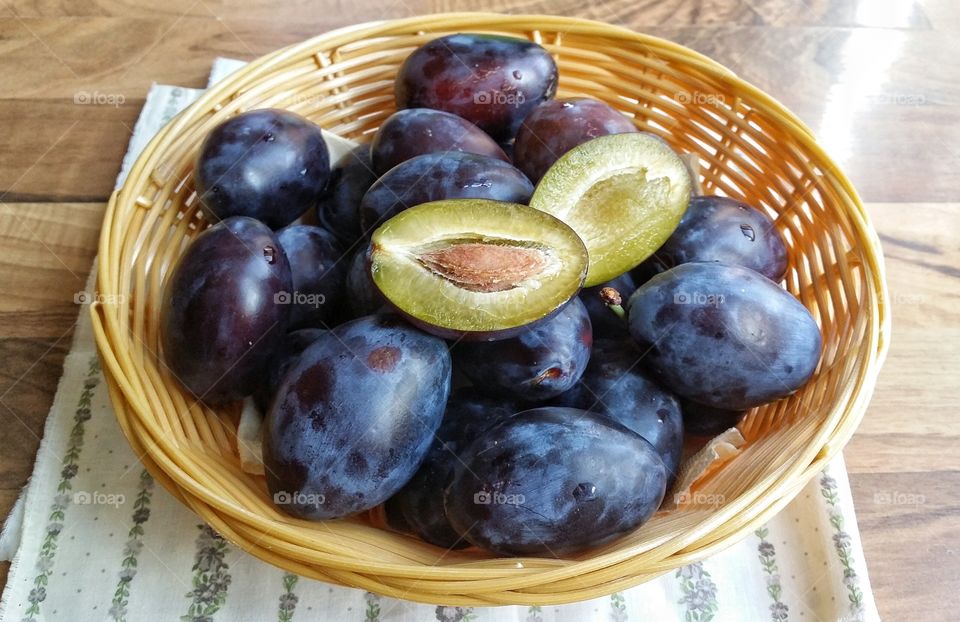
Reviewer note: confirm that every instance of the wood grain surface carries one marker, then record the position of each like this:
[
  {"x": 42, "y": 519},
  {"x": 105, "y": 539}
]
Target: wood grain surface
[{"x": 878, "y": 81}]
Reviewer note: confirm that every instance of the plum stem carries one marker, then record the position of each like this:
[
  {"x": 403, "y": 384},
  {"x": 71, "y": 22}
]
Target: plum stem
[{"x": 614, "y": 301}]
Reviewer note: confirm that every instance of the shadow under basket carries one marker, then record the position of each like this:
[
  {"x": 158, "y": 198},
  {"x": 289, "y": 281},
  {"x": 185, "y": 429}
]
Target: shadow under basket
[{"x": 749, "y": 148}]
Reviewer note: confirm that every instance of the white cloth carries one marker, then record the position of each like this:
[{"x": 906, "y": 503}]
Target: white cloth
[{"x": 93, "y": 538}]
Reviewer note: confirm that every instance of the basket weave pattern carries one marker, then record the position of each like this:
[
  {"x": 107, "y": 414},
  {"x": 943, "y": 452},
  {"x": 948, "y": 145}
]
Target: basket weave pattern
[{"x": 750, "y": 148}]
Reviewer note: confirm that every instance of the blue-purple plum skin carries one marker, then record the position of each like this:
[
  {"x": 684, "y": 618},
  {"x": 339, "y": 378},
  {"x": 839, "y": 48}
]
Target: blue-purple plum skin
[
  {"x": 724, "y": 335},
  {"x": 318, "y": 273},
  {"x": 491, "y": 81},
  {"x": 418, "y": 507},
  {"x": 354, "y": 417},
  {"x": 539, "y": 363},
  {"x": 269, "y": 164},
  {"x": 418, "y": 131},
  {"x": 339, "y": 207},
  {"x": 722, "y": 230},
  {"x": 552, "y": 482},
  {"x": 219, "y": 318},
  {"x": 436, "y": 176},
  {"x": 616, "y": 385}
]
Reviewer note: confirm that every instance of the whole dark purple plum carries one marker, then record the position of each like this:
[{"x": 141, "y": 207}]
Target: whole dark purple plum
[
  {"x": 615, "y": 385},
  {"x": 417, "y": 131},
  {"x": 491, "y": 81},
  {"x": 436, "y": 176},
  {"x": 219, "y": 320},
  {"x": 540, "y": 363},
  {"x": 723, "y": 230},
  {"x": 724, "y": 335},
  {"x": 558, "y": 125},
  {"x": 552, "y": 482},
  {"x": 318, "y": 275},
  {"x": 354, "y": 417},
  {"x": 268, "y": 164},
  {"x": 418, "y": 507},
  {"x": 339, "y": 207}
]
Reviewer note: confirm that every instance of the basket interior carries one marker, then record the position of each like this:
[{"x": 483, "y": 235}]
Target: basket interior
[{"x": 749, "y": 149}]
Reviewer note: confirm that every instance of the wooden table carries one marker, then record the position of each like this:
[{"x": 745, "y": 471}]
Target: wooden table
[{"x": 878, "y": 81}]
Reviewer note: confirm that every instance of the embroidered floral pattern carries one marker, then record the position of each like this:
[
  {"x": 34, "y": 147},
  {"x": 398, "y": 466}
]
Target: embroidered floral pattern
[
  {"x": 58, "y": 509},
  {"x": 843, "y": 546},
  {"x": 211, "y": 577},
  {"x": 534, "y": 614},
  {"x": 618, "y": 608},
  {"x": 373, "y": 606},
  {"x": 699, "y": 593},
  {"x": 455, "y": 614},
  {"x": 128, "y": 567},
  {"x": 288, "y": 600},
  {"x": 768, "y": 559}
]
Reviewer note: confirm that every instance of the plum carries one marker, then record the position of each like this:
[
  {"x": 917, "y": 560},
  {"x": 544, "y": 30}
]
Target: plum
[
  {"x": 338, "y": 209},
  {"x": 552, "y": 482},
  {"x": 721, "y": 229},
  {"x": 418, "y": 507},
  {"x": 539, "y": 363},
  {"x": 491, "y": 81},
  {"x": 724, "y": 335},
  {"x": 220, "y": 321},
  {"x": 475, "y": 269},
  {"x": 436, "y": 176},
  {"x": 363, "y": 297},
  {"x": 354, "y": 417},
  {"x": 418, "y": 131},
  {"x": 623, "y": 194},
  {"x": 268, "y": 164},
  {"x": 558, "y": 125},
  {"x": 617, "y": 386},
  {"x": 318, "y": 275}
]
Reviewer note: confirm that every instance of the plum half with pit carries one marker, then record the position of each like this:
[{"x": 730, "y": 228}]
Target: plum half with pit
[
  {"x": 476, "y": 269},
  {"x": 270, "y": 164}
]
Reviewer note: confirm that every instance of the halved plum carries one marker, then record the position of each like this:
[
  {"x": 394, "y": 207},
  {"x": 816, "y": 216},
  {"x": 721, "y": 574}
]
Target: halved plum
[
  {"x": 477, "y": 269},
  {"x": 624, "y": 194}
]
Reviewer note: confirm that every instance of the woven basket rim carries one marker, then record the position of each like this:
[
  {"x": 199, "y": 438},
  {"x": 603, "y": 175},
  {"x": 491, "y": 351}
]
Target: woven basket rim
[{"x": 751, "y": 508}]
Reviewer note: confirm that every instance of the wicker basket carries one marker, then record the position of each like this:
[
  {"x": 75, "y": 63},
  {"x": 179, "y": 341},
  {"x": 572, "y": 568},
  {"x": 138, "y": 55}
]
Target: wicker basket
[{"x": 750, "y": 148}]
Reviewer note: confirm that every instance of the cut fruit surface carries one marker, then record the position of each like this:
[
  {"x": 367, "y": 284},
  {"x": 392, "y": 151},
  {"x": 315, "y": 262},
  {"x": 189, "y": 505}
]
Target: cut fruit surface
[
  {"x": 624, "y": 194},
  {"x": 476, "y": 268}
]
